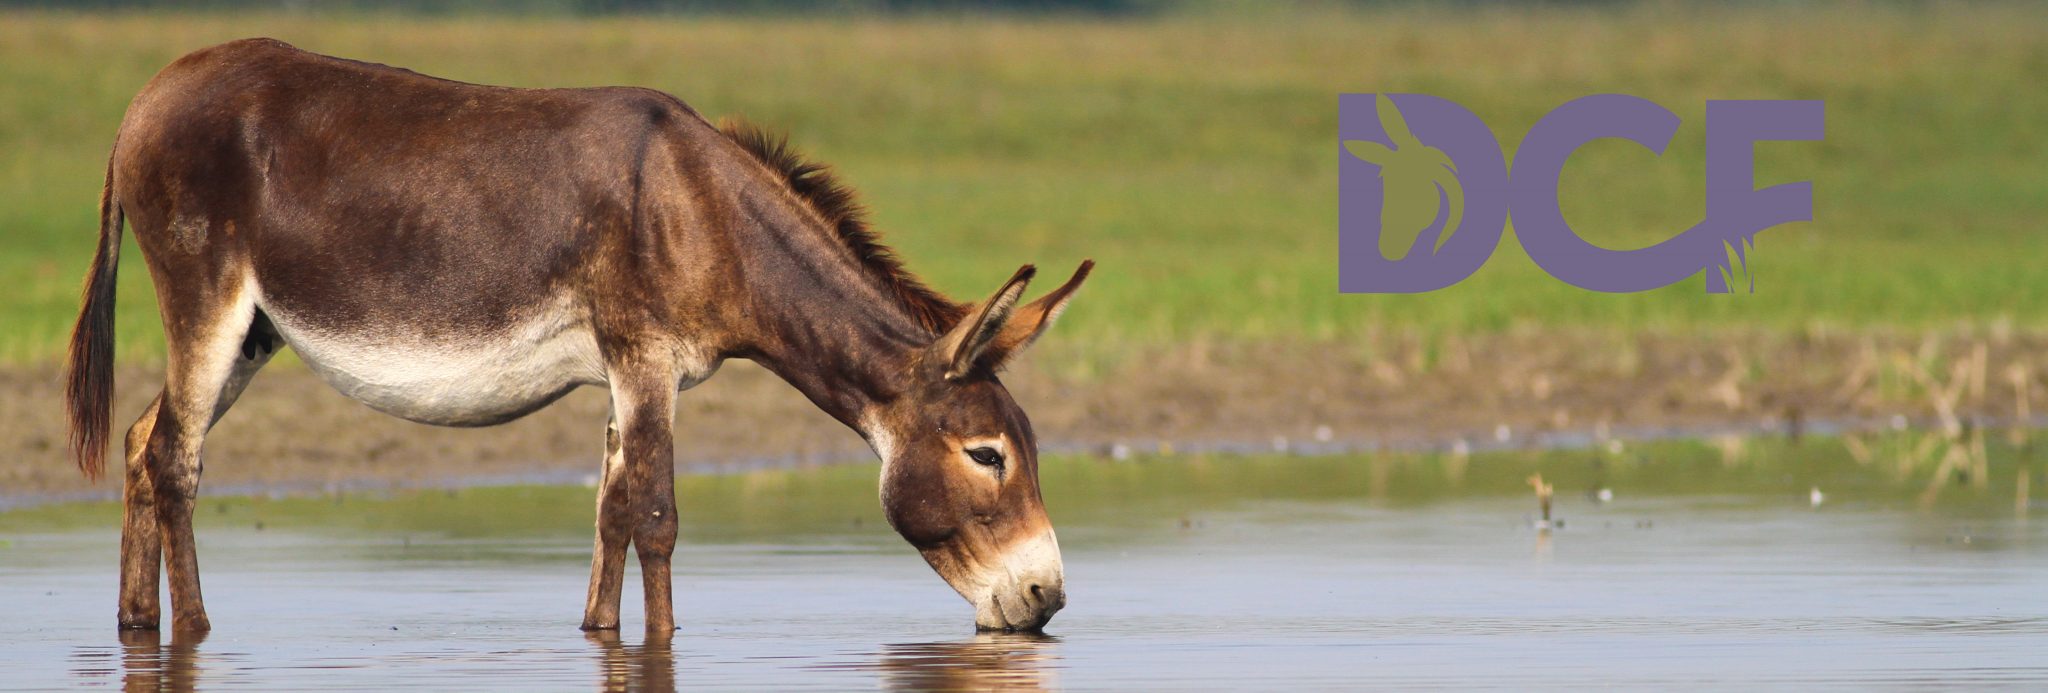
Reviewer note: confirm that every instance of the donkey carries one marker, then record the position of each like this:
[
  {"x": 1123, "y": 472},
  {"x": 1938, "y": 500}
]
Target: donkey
[{"x": 463, "y": 255}]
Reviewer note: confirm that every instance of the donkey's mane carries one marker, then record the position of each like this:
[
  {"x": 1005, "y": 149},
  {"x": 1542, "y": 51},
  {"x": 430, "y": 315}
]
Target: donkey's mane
[{"x": 840, "y": 207}]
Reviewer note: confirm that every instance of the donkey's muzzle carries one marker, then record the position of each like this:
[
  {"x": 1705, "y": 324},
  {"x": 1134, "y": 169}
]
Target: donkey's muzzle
[{"x": 1027, "y": 590}]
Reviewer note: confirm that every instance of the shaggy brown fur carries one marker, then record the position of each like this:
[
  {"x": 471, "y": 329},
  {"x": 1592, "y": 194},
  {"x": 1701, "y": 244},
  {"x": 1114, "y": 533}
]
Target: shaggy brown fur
[{"x": 840, "y": 207}]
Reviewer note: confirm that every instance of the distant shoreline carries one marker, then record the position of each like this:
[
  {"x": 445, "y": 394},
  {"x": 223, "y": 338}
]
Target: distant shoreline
[{"x": 293, "y": 434}]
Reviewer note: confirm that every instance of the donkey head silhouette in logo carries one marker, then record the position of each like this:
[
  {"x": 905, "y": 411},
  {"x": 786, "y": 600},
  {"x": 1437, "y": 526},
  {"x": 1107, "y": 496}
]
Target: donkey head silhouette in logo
[{"x": 1421, "y": 199}]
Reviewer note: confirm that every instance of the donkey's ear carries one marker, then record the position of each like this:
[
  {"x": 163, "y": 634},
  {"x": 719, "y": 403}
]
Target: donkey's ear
[
  {"x": 961, "y": 347},
  {"x": 1032, "y": 320}
]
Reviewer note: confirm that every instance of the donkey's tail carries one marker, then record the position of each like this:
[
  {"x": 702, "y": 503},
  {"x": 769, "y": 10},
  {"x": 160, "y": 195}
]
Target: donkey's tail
[{"x": 89, "y": 375}]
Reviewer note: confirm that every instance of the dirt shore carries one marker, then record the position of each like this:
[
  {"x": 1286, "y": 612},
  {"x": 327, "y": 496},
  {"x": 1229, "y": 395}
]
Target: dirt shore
[{"x": 291, "y": 432}]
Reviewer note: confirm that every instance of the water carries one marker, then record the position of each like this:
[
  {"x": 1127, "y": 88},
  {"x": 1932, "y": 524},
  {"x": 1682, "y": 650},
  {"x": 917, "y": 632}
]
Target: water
[{"x": 1709, "y": 567}]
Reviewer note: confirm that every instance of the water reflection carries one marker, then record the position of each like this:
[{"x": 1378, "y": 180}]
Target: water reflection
[
  {"x": 147, "y": 665},
  {"x": 988, "y": 662},
  {"x": 649, "y": 666}
]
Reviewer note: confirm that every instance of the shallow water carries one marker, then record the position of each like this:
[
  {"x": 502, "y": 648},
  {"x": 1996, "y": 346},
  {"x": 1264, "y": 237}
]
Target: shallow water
[{"x": 1711, "y": 565}]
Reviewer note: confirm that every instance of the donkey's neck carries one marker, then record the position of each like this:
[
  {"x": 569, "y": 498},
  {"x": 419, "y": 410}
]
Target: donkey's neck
[{"x": 822, "y": 323}]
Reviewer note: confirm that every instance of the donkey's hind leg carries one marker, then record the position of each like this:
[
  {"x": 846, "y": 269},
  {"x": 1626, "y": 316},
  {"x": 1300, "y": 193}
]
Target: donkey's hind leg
[
  {"x": 141, "y": 539},
  {"x": 141, "y": 542},
  {"x": 142, "y": 548},
  {"x": 211, "y": 360},
  {"x": 614, "y": 531}
]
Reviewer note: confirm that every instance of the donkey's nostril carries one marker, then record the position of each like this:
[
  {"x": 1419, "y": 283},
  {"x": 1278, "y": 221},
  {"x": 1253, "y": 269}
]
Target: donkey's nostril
[{"x": 1047, "y": 597}]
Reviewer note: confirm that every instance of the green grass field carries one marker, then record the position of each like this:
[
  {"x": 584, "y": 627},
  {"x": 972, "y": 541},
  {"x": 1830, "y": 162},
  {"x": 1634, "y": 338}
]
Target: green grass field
[{"x": 1195, "y": 157}]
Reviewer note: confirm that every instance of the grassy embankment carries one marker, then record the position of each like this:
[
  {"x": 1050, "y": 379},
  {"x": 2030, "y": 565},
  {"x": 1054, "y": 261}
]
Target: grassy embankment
[{"x": 1194, "y": 157}]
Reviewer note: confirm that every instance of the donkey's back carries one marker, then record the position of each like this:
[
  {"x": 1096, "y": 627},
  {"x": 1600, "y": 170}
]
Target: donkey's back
[{"x": 429, "y": 247}]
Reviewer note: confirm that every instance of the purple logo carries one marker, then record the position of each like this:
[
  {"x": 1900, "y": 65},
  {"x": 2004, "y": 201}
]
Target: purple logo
[{"x": 1424, "y": 192}]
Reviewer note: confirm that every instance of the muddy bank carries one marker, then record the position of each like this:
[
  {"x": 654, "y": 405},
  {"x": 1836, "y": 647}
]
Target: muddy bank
[{"x": 292, "y": 432}]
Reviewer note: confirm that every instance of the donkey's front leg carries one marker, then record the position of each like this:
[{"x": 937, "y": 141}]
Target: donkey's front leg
[
  {"x": 614, "y": 532},
  {"x": 644, "y": 402}
]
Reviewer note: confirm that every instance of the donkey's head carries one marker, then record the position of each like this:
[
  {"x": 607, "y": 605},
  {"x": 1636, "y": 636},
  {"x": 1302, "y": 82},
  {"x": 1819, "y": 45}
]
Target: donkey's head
[{"x": 960, "y": 463}]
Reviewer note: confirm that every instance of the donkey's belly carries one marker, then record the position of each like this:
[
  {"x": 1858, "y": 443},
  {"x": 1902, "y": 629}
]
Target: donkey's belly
[{"x": 450, "y": 380}]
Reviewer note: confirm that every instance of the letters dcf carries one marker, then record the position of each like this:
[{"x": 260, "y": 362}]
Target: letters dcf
[{"x": 1404, "y": 156}]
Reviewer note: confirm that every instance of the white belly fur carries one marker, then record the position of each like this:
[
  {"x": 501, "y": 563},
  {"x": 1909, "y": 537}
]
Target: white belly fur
[{"x": 452, "y": 379}]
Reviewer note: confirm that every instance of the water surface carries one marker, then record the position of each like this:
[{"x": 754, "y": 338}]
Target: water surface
[{"x": 1711, "y": 564}]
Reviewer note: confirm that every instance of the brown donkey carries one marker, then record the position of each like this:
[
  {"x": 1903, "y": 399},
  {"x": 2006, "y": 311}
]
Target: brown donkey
[{"x": 462, "y": 255}]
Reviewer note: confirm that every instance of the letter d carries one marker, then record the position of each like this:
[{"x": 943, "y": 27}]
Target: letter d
[{"x": 1481, "y": 171}]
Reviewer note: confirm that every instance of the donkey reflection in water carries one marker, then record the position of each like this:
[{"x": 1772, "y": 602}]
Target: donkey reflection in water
[{"x": 463, "y": 255}]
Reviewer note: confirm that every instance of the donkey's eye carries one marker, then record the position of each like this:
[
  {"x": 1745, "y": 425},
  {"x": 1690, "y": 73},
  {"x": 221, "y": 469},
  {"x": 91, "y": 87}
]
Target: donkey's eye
[{"x": 986, "y": 456}]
